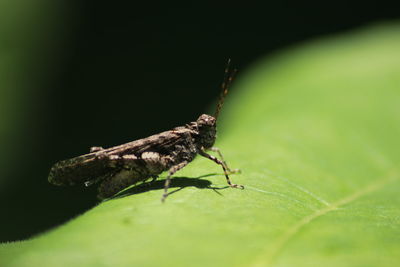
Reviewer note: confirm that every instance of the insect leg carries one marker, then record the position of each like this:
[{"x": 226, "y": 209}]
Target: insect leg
[
  {"x": 130, "y": 169},
  {"x": 171, "y": 172},
  {"x": 126, "y": 161},
  {"x": 218, "y": 151},
  {"x": 204, "y": 154}
]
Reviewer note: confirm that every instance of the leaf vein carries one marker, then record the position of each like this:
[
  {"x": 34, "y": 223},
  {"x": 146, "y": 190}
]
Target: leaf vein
[
  {"x": 284, "y": 239},
  {"x": 300, "y": 188}
]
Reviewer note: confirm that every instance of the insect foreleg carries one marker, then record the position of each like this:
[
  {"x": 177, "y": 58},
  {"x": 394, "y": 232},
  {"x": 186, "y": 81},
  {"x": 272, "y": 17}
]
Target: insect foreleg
[
  {"x": 218, "y": 151},
  {"x": 216, "y": 160},
  {"x": 171, "y": 172}
]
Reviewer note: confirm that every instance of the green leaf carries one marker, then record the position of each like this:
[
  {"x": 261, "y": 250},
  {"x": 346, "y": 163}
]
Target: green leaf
[{"x": 315, "y": 132}]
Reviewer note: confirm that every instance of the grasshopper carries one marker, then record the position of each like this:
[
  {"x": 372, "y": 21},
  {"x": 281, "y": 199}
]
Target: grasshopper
[{"x": 120, "y": 166}]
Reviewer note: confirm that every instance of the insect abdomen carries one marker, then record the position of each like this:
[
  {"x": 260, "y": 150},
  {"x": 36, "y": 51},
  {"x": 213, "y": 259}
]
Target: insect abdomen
[{"x": 77, "y": 171}]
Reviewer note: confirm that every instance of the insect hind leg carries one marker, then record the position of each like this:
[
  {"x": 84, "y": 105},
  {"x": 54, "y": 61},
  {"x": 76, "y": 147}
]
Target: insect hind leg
[{"x": 130, "y": 169}]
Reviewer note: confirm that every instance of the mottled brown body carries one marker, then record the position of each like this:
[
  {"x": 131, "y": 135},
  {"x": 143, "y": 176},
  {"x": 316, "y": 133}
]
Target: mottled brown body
[
  {"x": 118, "y": 167},
  {"x": 121, "y": 166}
]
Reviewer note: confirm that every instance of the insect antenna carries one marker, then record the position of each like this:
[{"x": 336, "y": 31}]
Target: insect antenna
[{"x": 226, "y": 83}]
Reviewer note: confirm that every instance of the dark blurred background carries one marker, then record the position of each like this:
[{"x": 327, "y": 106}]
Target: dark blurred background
[{"x": 76, "y": 74}]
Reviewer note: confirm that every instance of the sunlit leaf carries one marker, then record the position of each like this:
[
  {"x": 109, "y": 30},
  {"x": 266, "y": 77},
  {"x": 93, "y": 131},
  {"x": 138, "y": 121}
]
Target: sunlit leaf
[{"x": 315, "y": 132}]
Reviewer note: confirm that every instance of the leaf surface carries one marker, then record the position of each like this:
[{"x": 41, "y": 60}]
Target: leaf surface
[{"x": 315, "y": 132}]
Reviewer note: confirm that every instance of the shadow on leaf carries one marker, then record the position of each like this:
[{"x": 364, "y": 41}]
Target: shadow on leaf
[{"x": 176, "y": 182}]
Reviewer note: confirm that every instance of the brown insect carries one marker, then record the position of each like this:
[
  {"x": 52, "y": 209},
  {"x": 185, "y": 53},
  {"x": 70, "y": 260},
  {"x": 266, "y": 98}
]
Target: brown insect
[{"x": 118, "y": 167}]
